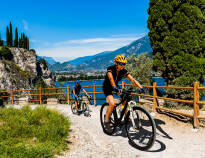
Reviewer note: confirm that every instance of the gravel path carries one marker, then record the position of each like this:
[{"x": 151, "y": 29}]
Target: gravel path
[{"x": 174, "y": 139}]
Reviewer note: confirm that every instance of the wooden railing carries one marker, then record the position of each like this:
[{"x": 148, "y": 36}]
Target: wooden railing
[
  {"x": 195, "y": 101},
  {"x": 40, "y": 92}
]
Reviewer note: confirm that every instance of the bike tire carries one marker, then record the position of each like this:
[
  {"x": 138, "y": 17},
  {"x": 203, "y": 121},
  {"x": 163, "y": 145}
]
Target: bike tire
[
  {"x": 85, "y": 109},
  {"x": 74, "y": 111},
  {"x": 142, "y": 137},
  {"x": 103, "y": 111}
]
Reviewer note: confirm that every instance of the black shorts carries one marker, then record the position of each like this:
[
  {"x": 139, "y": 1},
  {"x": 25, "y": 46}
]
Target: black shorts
[{"x": 107, "y": 91}]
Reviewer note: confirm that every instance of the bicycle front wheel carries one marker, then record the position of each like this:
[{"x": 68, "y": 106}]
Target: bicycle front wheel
[
  {"x": 85, "y": 109},
  {"x": 73, "y": 109},
  {"x": 141, "y": 129}
]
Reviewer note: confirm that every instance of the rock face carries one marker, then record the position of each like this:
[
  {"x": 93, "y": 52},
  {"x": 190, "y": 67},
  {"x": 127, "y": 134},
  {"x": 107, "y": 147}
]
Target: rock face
[{"x": 23, "y": 70}]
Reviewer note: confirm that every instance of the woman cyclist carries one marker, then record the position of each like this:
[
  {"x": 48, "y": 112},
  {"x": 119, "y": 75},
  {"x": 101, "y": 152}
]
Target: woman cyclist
[{"x": 113, "y": 76}]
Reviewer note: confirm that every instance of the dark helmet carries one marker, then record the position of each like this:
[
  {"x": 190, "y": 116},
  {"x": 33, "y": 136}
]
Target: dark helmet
[{"x": 77, "y": 81}]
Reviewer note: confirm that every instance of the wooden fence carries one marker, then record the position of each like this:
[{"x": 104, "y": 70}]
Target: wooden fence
[{"x": 40, "y": 92}]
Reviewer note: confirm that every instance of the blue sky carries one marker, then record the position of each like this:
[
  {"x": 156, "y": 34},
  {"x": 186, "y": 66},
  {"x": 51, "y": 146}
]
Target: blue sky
[{"x": 74, "y": 28}]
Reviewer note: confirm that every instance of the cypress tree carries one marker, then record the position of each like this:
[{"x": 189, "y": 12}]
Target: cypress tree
[
  {"x": 7, "y": 36},
  {"x": 27, "y": 43},
  {"x": 1, "y": 41},
  {"x": 21, "y": 42},
  {"x": 177, "y": 37},
  {"x": 11, "y": 35},
  {"x": 16, "y": 42}
]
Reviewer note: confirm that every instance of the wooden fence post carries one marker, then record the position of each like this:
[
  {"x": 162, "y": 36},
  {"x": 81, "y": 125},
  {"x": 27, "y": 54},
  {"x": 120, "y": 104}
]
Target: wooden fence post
[
  {"x": 40, "y": 95},
  {"x": 154, "y": 96},
  {"x": 12, "y": 96},
  {"x": 68, "y": 95},
  {"x": 196, "y": 104},
  {"x": 123, "y": 84},
  {"x": 94, "y": 93}
]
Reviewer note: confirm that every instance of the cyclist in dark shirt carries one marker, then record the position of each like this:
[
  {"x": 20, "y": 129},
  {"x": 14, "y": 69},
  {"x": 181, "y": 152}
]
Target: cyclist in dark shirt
[
  {"x": 76, "y": 92},
  {"x": 113, "y": 76}
]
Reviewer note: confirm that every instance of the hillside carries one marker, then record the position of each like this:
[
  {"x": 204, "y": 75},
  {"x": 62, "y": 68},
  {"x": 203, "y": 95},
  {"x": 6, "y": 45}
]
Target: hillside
[
  {"x": 102, "y": 60},
  {"x": 81, "y": 60}
]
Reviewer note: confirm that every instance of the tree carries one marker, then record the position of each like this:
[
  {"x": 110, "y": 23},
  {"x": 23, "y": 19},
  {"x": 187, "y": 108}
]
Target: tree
[
  {"x": 16, "y": 41},
  {"x": 1, "y": 41},
  {"x": 7, "y": 36},
  {"x": 21, "y": 41},
  {"x": 140, "y": 67},
  {"x": 25, "y": 42},
  {"x": 177, "y": 35},
  {"x": 11, "y": 35},
  {"x": 27, "y": 45}
]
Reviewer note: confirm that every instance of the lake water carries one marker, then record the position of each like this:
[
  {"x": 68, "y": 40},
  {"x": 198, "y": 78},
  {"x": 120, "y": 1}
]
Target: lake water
[{"x": 100, "y": 96}]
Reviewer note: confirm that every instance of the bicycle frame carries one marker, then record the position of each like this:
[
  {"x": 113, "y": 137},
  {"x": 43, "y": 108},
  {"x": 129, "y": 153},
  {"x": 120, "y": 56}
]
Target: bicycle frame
[
  {"x": 81, "y": 99},
  {"x": 129, "y": 104},
  {"x": 131, "y": 112},
  {"x": 122, "y": 113}
]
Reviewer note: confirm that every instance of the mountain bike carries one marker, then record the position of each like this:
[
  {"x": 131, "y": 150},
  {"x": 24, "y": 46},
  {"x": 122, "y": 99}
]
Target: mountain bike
[
  {"x": 82, "y": 105},
  {"x": 139, "y": 124}
]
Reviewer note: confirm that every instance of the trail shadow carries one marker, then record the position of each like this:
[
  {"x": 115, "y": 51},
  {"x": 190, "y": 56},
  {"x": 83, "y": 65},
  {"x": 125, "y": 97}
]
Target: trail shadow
[
  {"x": 159, "y": 122},
  {"x": 85, "y": 113},
  {"x": 121, "y": 131},
  {"x": 161, "y": 148},
  {"x": 144, "y": 134},
  {"x": 175, "y": 116}
]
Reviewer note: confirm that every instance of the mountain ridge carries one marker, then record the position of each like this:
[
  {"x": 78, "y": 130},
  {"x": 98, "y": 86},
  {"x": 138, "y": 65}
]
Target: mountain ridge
[{"x": 102, "y": 60}]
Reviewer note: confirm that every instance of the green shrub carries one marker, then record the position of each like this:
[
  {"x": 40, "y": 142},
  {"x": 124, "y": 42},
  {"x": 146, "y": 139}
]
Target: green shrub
[
  {"x": 179, "y": 94},
  {"x": 43, "y": 61},
  {"x": 182, "y": 94},
  {"x": 5, "y": 53},
  {"x": 32, "y": 133}
]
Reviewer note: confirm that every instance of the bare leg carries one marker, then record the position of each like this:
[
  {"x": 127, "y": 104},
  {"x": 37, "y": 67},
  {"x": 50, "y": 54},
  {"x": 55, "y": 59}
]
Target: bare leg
[
  {"x": 76, "y": 104},
  {"x": 111, "y": 102}
]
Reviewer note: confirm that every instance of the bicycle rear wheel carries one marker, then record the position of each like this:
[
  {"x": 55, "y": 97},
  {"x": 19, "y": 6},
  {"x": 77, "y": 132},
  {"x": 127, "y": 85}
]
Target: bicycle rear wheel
[
  {"x": 103, "y": 111},
  {"x": 141, "y": 130}
]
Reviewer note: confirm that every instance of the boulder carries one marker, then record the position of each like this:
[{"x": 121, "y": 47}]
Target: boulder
[
  {"x": 52, "y": 101},
  {"x": 23, "y": 101}
]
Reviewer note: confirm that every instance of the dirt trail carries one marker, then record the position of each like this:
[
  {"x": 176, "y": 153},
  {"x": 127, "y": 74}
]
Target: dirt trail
[{"x": 174, "y": 139}]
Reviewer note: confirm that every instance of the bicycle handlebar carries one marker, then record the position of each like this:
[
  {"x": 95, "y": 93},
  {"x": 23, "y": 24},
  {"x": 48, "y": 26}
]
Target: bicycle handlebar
[{"x": 126, "y": 91}]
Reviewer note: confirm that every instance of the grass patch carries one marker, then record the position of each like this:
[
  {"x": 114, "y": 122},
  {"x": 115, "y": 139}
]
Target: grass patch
[{"x": 30, "y": 133}]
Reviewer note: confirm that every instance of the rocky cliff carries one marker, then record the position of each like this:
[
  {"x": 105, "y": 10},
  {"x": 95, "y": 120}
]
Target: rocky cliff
[{"x": 23, "y": 70}]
